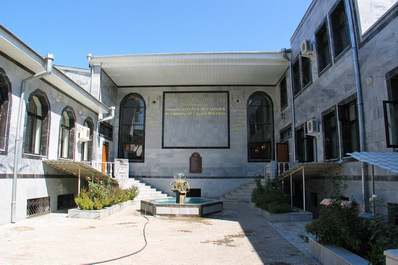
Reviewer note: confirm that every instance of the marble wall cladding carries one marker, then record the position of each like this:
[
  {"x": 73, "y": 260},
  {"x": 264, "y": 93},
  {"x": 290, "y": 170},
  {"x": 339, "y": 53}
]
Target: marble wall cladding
[{"x": 230, "y": 161}]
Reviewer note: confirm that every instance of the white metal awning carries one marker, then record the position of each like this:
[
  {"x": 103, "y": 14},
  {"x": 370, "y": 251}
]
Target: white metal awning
[
  {"x": 183, "y": 69},
  {"x": 387, "y": 161},
  {"x": 78, "y": 169}
]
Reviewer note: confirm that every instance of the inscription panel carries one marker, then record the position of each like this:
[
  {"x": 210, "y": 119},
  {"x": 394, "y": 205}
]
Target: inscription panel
[{"x": 195, "y": 119}]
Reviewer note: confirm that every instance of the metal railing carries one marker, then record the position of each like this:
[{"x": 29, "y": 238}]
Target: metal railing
[
  {"x": 105, "y": 167},
  {"x": 275, "y": 169}
]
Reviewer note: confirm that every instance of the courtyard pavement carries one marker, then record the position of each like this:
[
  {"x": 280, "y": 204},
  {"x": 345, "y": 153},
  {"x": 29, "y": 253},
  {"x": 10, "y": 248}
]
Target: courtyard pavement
[{"x": 236, "y": 236}]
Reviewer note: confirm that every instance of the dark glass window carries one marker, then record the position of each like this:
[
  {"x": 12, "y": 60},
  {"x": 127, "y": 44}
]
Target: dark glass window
[
  {"x": 66, "y": 134},
  {"x": 296, "y": 77},
  {"x": 322, "y": 47},
  {"x": 132, "y": 128},
  {"x": 5, "y": 87},
  {"x": 349, "y": 126},
  {"x": 285, "y": 133},
  {"x": 106, "y": 130},
  {"x": 283, "y": 90},
  {"x": 331, "y": 137},
  {"x": 36, "y": 130},
  {"x": 306, "y": 71},
  {"x": 391, "y": 109},
  {"x": 260, "y": 127},
  {"x": 304, "y": 146},
  {"x": 339, "y": 29}
]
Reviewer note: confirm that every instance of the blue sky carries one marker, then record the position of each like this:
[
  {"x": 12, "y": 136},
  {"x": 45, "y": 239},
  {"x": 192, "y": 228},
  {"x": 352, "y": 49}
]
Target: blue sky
[{"x": 72, "y": 29}]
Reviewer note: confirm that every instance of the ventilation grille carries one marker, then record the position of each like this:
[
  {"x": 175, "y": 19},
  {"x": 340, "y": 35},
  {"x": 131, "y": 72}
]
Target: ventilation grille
[{"x": 38, "y": 206}]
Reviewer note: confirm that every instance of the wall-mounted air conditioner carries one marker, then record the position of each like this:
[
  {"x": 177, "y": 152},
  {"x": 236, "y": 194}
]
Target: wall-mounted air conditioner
[
  {"x": 306, "y": 48},
  {"x": 312, "y": 127},
  {"x": 83, "y": 133}
]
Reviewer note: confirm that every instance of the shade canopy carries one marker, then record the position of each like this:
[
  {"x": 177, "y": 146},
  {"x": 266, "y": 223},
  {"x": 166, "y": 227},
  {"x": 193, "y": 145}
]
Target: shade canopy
[{"x": 190, "y": 69}]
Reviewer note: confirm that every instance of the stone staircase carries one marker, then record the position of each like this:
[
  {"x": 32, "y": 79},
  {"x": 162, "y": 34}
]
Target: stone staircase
[
  {"x": 145, "y": 192},
  {"x": 241, "y": 194}
]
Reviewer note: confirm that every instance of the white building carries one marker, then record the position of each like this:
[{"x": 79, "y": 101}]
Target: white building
[{"x": 219, "y": 118}]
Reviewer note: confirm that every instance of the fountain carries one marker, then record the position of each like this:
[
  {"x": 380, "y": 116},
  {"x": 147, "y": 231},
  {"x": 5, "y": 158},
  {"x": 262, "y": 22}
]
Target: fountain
[
  {"x": 181, "y": 206},
  {"x": 180, "y": 186}
]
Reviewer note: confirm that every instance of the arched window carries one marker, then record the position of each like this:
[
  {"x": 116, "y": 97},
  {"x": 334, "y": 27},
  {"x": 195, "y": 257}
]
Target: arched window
[
  {"x": 260, "y": 127},
  {"x": 87, "y": 147},
  {"x": 66, "y": 133},
  {"x": 36, "y": 130},
  {"x": 5, "y": 89},
  {"x": 132, "y": 128}
]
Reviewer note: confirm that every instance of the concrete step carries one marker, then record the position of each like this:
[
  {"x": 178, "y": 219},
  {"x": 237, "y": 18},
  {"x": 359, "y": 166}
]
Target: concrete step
[{"x": 240, "y": 194}]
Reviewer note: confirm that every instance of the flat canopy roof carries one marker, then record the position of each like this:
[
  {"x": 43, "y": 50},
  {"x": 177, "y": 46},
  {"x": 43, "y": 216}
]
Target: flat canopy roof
[
  {"x": 194, "y": 69},
  {"x": 387, "y": 161}
]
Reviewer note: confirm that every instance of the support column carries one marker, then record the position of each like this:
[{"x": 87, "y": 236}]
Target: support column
[{"x": 291, "y": 190}]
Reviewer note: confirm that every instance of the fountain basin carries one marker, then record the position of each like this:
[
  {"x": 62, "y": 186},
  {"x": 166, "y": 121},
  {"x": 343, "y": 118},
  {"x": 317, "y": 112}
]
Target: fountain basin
[{"x": 191, "y": 207}]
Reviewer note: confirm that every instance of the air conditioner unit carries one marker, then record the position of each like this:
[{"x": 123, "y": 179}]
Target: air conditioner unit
[
  {"x": 306, "y": 48},
  {"x": 312, "y": 127},
  {"x": 83, "y": 133}
]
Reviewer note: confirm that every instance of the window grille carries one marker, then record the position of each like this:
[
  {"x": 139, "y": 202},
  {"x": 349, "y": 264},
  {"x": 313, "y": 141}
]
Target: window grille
[{"x": 38, "y": 206}]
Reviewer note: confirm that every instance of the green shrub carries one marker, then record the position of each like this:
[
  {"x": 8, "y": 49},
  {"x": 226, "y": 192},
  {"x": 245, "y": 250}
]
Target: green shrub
[
  {"x": 100, "y": 194},
  {"x": 340, "y": 225},
  {"x": 270, "y": 197}
]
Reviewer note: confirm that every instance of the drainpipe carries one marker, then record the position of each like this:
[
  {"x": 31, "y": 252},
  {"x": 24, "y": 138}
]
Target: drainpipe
[
  {"x": 284, "y": 53},
  {"x": 354, "y": 49},
  {"x": 48, "y": 70}
]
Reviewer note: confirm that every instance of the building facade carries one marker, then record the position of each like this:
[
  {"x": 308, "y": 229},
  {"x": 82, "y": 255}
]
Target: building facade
[{"x": 219, "y": 118}]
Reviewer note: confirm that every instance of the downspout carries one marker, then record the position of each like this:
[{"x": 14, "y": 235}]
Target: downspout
[
  {"x": 284, "y": 53},
  {"x": 48, "y": 70},
  {"x": 354, "y": 49}
]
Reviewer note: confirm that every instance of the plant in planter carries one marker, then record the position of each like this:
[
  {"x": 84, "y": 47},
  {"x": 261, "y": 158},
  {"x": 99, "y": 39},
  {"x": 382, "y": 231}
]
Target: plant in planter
[
  {"x": 339, "y": 224},
  {"x": 100, "y": 194},
  {"x": 270, "y": 197}
]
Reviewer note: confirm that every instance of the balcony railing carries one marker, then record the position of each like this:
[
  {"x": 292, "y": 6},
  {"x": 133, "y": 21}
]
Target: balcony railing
[{"x": 275, "y": 169}]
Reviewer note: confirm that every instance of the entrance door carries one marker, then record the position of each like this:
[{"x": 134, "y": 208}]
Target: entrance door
[
  {"x": 104, "y": 157},
  {"x": 282, "y": 155}
]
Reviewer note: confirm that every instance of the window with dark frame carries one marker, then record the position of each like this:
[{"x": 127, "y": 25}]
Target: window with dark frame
[
  {"x": 296, "y": 77},
  {"x": 106, "y": 130},
  {"x": 331, "y": 137},
  {"x": 36, "y": 128},
  {"x": 304, "y": 146},
  {"x": 5, "y": 87},
  {"x": 306, "y": 71},
  {"x": 285, "y": 133},
  {"x": 132, "y": 128},
  {"x": 283, "y": 91},
  {"x": 66, "y": 135},
  {"x": 322, "y": 47},
  {"x": 348, "y": 117},
  {"x": 340, "y": 32},
  {"x": 391, "y": 110},
  {"x": 260, "y": 128}
]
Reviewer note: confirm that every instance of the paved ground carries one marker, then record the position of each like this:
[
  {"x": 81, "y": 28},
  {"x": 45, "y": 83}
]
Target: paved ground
[{"x": 236, "y": 236}]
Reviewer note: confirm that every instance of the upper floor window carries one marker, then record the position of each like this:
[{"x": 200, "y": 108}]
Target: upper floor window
[
  {"x": 5, "y": 89},
  {"x": 132, "y": 128},
  {"x": 260, "y": 127},
  {"x": 339, "y": 25},
  {"x": 322, "y": 47},
  {"x": 391, "y": 109},
  {"x": 306, "y": 71},
  {"x": 349, "y": 127},
  {"x": 36, "y": 131},
  {"x": 87, "y": 147},
  {"x": 296, "y": 77},
  {"x": 66, "y": 134},
  {"x": 283, "y": 92}
]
